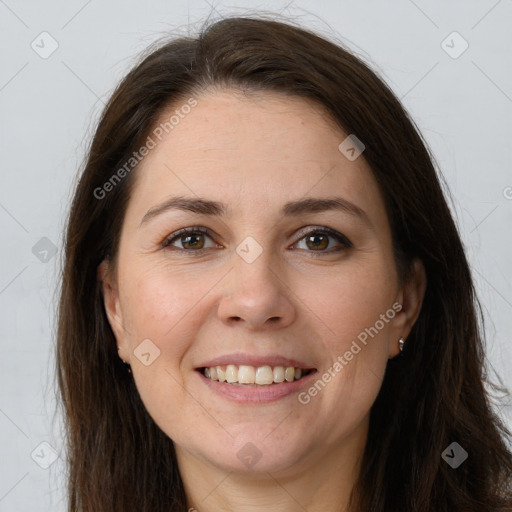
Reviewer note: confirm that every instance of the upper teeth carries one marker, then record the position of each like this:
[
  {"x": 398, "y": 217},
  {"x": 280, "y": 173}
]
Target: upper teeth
[{"x": 245, "y": 374}]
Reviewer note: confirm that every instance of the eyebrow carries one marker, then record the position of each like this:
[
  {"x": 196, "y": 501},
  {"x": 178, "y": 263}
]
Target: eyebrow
[{"x": 202, "y": 206}]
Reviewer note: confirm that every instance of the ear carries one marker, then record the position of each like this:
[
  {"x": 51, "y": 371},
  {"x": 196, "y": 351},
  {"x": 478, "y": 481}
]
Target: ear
[
  {"x": 411, "y": 298},
  {"x": 112, "y": 305}
]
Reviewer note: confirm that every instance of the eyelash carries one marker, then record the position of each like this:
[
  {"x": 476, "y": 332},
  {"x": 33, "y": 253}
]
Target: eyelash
[{"x": 346, "y": 243}]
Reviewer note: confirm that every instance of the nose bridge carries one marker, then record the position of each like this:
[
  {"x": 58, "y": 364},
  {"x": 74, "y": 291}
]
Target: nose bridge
[
  {"x": 255, "y": 267},
  {"x": 256, "y": 291}
]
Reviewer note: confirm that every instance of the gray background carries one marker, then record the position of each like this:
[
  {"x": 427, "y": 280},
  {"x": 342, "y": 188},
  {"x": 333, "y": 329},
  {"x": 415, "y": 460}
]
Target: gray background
[{"x": 462, "y": 104}]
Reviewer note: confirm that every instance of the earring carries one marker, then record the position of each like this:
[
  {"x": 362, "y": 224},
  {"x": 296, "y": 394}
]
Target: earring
[
  {"x": 401, "y": 342},
  {"x": 126, "y": 365}
]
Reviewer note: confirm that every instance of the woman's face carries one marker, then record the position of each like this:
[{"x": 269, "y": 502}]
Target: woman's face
[{"x": 277, "y": 280}]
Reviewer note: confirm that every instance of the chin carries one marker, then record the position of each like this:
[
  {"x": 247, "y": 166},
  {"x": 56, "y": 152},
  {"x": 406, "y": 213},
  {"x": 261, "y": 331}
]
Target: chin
[{"x": 257, "y": 455}]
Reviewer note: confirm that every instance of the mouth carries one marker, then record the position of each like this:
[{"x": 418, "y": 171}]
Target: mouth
[{"x": 254, "y": 376}]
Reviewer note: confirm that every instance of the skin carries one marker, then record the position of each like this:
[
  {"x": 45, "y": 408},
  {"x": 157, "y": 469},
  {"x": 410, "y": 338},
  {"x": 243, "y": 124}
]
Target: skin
[{"x": 254, "y": 153}]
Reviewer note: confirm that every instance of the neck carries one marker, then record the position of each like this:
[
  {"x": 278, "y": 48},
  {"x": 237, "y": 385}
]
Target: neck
[{"x": 322, "y": 483}]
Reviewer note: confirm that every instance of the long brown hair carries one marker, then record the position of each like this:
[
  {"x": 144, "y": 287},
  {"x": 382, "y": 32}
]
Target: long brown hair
[{"x": 433, "y": 394}]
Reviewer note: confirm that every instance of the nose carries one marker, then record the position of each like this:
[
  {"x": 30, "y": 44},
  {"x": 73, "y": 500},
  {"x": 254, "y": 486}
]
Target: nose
[{"x": 256, "y": 294}]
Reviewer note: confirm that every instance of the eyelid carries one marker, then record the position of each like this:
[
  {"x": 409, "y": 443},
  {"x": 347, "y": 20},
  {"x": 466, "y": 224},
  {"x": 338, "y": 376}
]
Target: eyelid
[
  {"x": 327, "y": 231},
  {"x": 302, "y": 233},
  {"x": 185, "y": 231}
]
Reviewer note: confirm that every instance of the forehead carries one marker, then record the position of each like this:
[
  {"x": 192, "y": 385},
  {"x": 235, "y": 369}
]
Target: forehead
[{"x": 251, "y": 151}]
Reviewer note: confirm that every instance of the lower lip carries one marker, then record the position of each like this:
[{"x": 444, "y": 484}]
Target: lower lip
[{"x": 247, "y": 393}]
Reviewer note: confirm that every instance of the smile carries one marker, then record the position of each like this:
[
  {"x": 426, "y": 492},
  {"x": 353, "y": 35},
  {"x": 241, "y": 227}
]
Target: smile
[
  {"x": 253, "y": 393},
  {"x": 252, "y": 375}
]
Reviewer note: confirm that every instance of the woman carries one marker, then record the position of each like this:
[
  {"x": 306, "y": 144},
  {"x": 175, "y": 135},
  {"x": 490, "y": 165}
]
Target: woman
[{"x": 265, "y": 302}]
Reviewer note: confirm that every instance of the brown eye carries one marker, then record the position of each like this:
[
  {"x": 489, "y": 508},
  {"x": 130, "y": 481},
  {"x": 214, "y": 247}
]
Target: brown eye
[
  {"x": 317, "y": 240},
  {"x": 191, "y": 239}
]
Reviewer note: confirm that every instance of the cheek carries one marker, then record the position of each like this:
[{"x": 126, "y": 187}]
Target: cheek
[
  {"x": 167, "y": 306},
  {"x": 353, "y": 299},
  {"x": 160, "y": 304},
  {"x": 356, "y": 344},
  {"x": 159, "y": 300}
]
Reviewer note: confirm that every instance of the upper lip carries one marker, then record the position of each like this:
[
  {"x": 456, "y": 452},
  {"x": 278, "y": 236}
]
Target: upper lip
[{"x": 252, "y": 360}]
